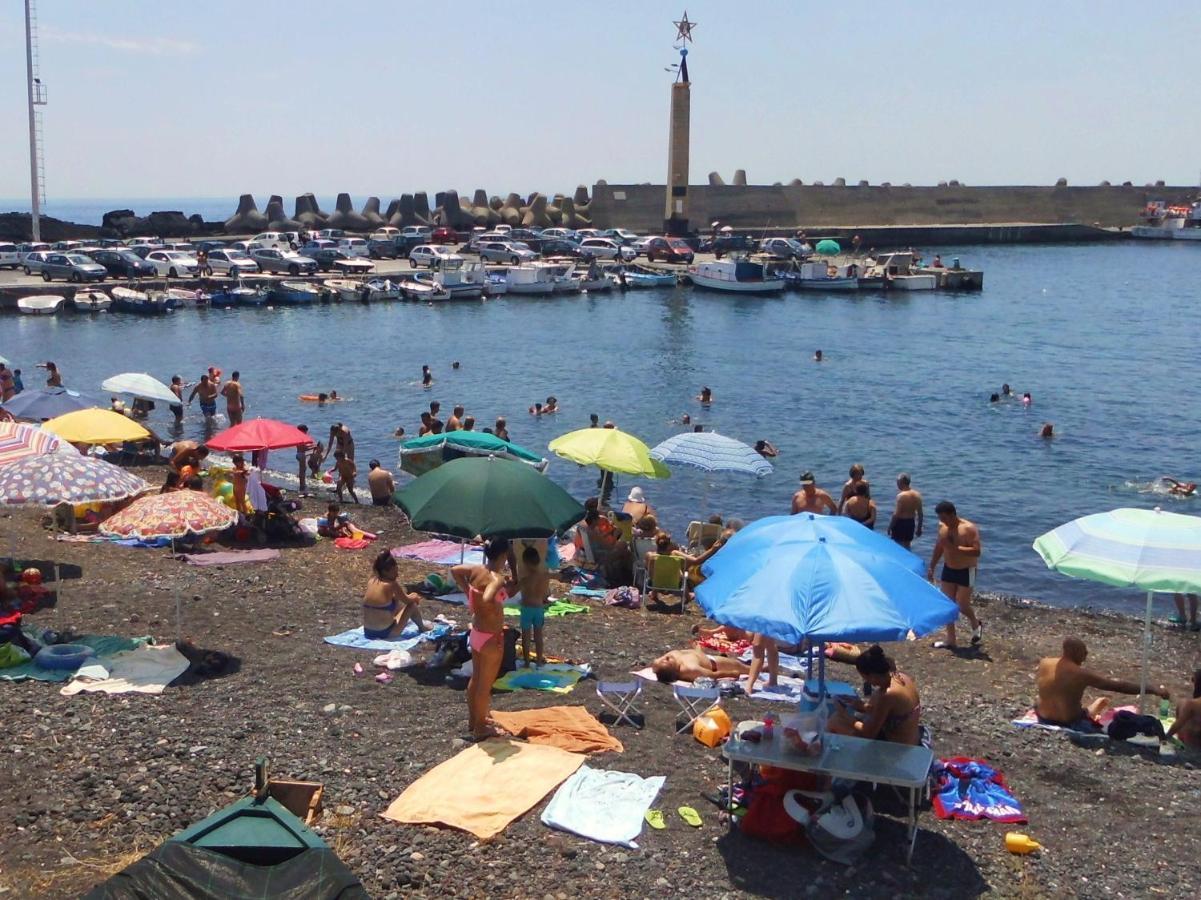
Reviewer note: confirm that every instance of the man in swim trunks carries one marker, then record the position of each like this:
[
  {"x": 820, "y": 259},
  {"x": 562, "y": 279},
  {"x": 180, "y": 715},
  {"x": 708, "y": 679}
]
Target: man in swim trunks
[
  {"x": 427, "y": 425},
  {"x": 235, "y": 399},
  {"x": 207, "y": 392},
  {"x": 958, "y": 546},
  {"x": 689, "y": 665},
  {"x": 380, "y": 483},
  {"x": 1180, "y": 488},
  {"x": 1061, "y": 683},
  {"x": 345, "y": 471},
  {"x": 177, "y": 390},
  {"x": 811, "y": 498},
  {"x": 1187, "y": 727},
  {"x": 907, "y": 517}
]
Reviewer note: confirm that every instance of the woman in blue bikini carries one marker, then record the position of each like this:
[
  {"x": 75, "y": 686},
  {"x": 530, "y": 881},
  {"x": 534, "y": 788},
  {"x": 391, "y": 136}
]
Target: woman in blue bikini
[
  {"x": 892, "y": 712},
  {"x": 486, "y": 592},
  {"x": 387, "y": 606}
]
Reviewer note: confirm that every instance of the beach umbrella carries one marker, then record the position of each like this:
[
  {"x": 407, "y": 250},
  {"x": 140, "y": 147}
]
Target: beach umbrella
[
  {"x": 711, "y": 452},
  {"x": 45, "y": 403},
  {"x": 141, "y": 385},
  {"x": 174, "y": 515},
  {"x": 821, "y": 578},
  {"x": 490, "y": 497},
  {"x": 19, "y": 441},
  {"x": 259, "y": 434},
  {"x": 609, "y": 449},
  {"x": 96, "y": 426},
  {"x": 424, "y": 454},
  {"x": 1148, "y": 549},
  {"x": 828, "y": 247},
  {"x": 58, "y": 478}
]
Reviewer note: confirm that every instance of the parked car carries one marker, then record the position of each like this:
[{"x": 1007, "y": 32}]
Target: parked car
[
  {"x": 583, "y": 233},
  {"x": 354, "y": 246},
  {"x": 9, "y": 256},
  {"x": 23, "y": 250},
  {"x": 781, "y": 248},
  {"x": 502, "y": 229},
  {"x": 422, "y": 231},
  {"x": 604, "y": 248},
  {"x": 444, "y": 235},
  {"x": 384, "y": 233},
  {"x": 331, "y": 234},
  {"x": 107, "y": 243},
  {"x": 173, "y": 263},
  {"x": 144, "y": 250},
  {"x": 382, "y": 248},
  {"x": 639, "y": 246},
  {"x": 143, "y": 239},
  {"x": 279, "y": 239},
  {"x": 339, "y": 260},
  {"x": 66, "y": 246},
  {"x": 524, "y": 234},
  {"x": 620, "y": 235},
  {"x": 71, "y": 267},
  {"x": 728, "y": 243},
  {"x": 210, "y": 246},
  {"x": 669, "y": 249},
  {"x": 560, "y": 248},
  {"x": 275, "y": 259},
  {"x": 558, "y": 234},
  {"x": 33, "y": 261},
  {"x": 233, "y": 263},
  {"x": 511, "y": 252},
  {"x": 427, "y": 255},
  {"x": 124, "y": 263}
]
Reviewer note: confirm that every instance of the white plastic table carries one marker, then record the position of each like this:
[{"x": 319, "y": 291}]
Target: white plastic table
[{"x": 842, "y": 756}]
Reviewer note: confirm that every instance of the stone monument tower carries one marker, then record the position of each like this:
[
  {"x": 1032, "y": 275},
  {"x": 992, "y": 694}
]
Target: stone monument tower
[{"x": 675, "y": 213}]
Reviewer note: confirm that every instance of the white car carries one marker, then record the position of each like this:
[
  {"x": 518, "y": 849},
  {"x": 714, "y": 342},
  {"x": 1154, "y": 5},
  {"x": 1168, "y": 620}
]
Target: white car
[
  {"x": 232, "y": 263},
  {"x": 421, "y": 232},
  {"x": 23, "y": 250},
  {"x": 9, "y": 256},
  {"x": 144, "y": 239},
  {"x": 639, "y": 246},
  {"x": 277, "y": 239},
  {"x": 503, "y": 229},
  {"x": 584, "y": 233},
  {"x": 557, "y": 234},
  {"x": 427, "y": 255},
  {"x": 353, "y": 246},
  {"x": 173, "y": 263},
  {"x": 511, "y": 252},
  {"x": 33, "y": 261},
  {"x": 331, "y": 234},
  {"x": 603, "y": 248},
  {"x": 387, "y": 233}
]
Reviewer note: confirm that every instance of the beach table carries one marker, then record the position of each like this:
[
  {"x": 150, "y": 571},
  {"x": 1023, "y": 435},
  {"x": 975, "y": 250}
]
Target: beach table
[{"x": 842, "y": 756}]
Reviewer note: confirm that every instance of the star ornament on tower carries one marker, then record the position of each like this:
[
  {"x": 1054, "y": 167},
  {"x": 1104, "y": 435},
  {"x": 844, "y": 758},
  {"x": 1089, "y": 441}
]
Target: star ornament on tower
[{"x": 684, "y": 29}]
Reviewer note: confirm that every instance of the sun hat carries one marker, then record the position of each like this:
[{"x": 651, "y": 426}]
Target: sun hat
[{"x": 636, "y": 496}]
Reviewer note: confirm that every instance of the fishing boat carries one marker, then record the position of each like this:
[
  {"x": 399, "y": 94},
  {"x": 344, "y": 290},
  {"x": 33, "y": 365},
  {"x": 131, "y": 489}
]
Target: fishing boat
[
  {"x": 40, "y": 305},
  {"x": 91, "y": 301},
  {"x": 898, "y": 272},
  {"x": 497, "y": 285},
  {"x": 139, "y": 302},
  {"x": 382, "y": 289},
  {"x": 636, "y": 277},
  {"x": 735, "y": 275},
  {"x": 591, "y": 283},
  {"x": 823, "y": 276},
  {"x": 1175, "y": 222},
  {"x": 345, "y": 290},
  {"x": 295, "y": 293},
  {"x": 423, "y": 291},
  {"x": 250, "y": 296},
  {"x": 184, "y": 298},
  {"x": 530, "y": 279}
]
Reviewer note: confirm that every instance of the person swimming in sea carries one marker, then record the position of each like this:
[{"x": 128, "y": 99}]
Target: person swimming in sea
[
  {"x": 1179, "y": 488},
  {"x": 705, "y": 396},
  {"x": 1047, "y": 431}
]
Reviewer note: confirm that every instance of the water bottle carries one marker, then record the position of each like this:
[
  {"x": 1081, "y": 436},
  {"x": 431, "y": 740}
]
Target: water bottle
[{"x": 769, "y": 727}]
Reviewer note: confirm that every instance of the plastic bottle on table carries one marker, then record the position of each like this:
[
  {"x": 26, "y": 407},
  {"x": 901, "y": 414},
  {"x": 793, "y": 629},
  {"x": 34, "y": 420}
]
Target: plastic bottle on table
[{"x": 769, "y": 727}]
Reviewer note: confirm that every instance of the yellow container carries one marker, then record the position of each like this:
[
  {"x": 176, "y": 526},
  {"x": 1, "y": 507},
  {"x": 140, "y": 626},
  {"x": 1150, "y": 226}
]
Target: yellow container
[{"x": 1016, "y": 842}]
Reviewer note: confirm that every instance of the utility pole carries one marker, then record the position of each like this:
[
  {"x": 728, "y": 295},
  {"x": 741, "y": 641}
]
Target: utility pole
[{"x": 37, "y": 97}]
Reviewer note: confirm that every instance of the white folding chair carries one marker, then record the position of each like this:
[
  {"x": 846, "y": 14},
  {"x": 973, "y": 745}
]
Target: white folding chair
[
  {"x": 620, "y": 697},
  {"x": 642, "y": 546},
  {"x": 694, "y": 701}
]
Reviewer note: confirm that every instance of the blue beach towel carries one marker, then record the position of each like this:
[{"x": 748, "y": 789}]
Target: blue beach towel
[
  {"x": 603, "y": 806},
  {"x": 972, "y": 789},
  {"x": 409, "y": 638},
  {"x": 105, "y": 645}
]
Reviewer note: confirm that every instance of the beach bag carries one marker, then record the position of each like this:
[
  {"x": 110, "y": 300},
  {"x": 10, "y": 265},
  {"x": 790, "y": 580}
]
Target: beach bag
[
  {"x": 627, "y": 597},
  {"x": 1126, "y": 725}
]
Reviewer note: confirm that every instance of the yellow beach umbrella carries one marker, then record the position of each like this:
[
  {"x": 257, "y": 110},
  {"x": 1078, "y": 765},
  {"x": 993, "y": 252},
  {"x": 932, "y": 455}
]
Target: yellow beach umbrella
[
  {"x": 96, "y": 426},
  {"x": 609, "y": 449}
]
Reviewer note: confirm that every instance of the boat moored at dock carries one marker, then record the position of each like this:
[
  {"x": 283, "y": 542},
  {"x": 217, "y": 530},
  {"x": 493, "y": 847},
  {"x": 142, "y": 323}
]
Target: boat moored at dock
[
  {"x": 295, "y": 293},
  {"x": 739, "y": 276},
  {"x": 40, "y": 305},
  {"x": 139, "y": 302},
  {"x": 91, "y": 301}
]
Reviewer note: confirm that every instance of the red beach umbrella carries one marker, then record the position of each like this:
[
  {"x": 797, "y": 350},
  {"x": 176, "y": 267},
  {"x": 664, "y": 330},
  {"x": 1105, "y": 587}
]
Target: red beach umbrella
[{"x": 259, "y": 434}]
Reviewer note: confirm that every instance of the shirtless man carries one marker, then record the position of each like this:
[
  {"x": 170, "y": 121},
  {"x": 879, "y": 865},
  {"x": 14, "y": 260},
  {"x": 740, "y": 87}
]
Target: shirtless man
[
  {"x": 54, "y": 378},
  {"x": 1187, "y": 727},
  {"x": 455, "y": 422},
  {"x": 811, "y": 498},
  {"x": 1061, "y": 682},
  {"x": 177, "y": 390},
  {"x": 207, "y": 392},
  {"x": 908, "y": 518},
  {"x": 689, "y": 665},
  {"x": 958, "y": 546},
  {"x": 379, "y": 481},
  {"x": 340, "y": 438},
  {"x": 849, "y": 486},
  {"x": 235, "y": 399},
  {"x": 188, "y": 454}
]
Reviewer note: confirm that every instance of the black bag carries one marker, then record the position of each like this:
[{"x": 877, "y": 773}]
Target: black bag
[{"x": 1126, "y": 725}]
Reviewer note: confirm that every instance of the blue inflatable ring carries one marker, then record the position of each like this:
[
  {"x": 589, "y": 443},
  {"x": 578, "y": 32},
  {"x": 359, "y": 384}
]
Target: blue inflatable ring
[{"x": 64, "y": 657}]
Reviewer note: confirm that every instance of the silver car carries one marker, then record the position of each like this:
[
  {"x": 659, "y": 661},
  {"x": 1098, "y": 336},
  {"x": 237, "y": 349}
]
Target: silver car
[
  {"x": 273, "y": 259},
  {"x": 33, "y": 261},
  {"x": 72, "y": 267},
  {"x": 511, "y": 252},
  {"x": 232, "y": 263}
]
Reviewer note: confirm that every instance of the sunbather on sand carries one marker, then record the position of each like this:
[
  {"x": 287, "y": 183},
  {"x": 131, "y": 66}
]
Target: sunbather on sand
[
  {"x": 387, "y": 606},
  {"x": 1061, "y": 684},
  {"x": 689, "y": 665},
  {"x": 1187, "y": 727}
]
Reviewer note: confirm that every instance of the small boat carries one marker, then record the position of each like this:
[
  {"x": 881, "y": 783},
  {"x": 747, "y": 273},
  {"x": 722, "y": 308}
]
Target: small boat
[
  {"x": 463, "y": 280},
  {"x": 250, "y": 296},
  {"x": 423, "y": 291},
  {"x": 642, "y": 278},
  {"x": 140, "y": 302},
  {"x": 182, "y": 297},
  {"x": 736, "y": 276},
  {"x": 496, "y": 285},
  {"x": 345, "y": 290},
  {"x": 824, "y": 276},
  {"x": 91, "y": 301},
  {"x": 530, "y": 279},
  {"x": 584, "y": 282},
  {"x": 295, "y": 293},
  {"x": 382, "y": 289},
  {"x": 898, "y": 272},
  {"x": 41, "y": 305}
]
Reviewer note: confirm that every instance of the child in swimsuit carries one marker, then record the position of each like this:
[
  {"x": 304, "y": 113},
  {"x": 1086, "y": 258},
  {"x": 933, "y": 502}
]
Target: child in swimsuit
[
  {"x": 486, "y": 593},
  {"x": 535, "y": 585}
]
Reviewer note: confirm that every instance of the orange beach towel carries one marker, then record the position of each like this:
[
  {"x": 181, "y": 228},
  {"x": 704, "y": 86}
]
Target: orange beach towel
[{"x": 570, "y": 728}]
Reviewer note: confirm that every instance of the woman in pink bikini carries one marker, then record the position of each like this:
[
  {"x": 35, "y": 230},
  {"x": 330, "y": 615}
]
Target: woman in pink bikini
[{"x": 486, "y": 593}]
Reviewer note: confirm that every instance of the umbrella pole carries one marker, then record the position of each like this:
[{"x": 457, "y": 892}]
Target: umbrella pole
[
  {"x": 178, "y": 606},
  {"x": 1142, "y": 678}
]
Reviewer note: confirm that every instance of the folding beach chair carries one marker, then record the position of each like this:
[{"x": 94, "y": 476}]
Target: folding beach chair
[
  {"x": 694, "y": 701},
  {"x": 620, "y": 697},
  {"x": 702, "y": 535},
  {"x": 668, "y": 577},
  {"x": 642, "y": 546}
]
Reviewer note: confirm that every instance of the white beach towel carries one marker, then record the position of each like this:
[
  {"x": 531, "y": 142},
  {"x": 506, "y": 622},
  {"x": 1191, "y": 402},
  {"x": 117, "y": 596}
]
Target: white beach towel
[
  {"x": 145, "y": 670},
  {"x": 603, "y": 806}
]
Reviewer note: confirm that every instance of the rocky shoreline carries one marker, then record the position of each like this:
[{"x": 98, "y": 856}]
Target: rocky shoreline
[{"x": 93, "y": 781}]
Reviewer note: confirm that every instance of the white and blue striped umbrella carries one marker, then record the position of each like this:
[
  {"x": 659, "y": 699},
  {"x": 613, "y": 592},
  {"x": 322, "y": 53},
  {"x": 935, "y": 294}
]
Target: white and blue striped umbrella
[{"x": 711, "y": 452}]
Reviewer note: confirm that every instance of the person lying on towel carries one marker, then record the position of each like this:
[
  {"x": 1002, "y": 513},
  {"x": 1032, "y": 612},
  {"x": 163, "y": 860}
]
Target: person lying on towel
[
  {"x": 689, "y": 665},
  {"x": 1061, "y": 684}
]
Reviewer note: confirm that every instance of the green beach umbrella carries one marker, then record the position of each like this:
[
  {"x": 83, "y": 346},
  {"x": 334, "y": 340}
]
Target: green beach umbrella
[
  {"x": 490, "y": 497},
  {"x": 1148, "y": 549},
  {"x": 828, "y": 247},
  {"x": 424, "y": 454}
]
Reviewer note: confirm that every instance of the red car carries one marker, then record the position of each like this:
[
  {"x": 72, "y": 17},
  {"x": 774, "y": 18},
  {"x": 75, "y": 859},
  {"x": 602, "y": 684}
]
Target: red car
[
  {"x": 444, "y": 235},
  {"x": 669, "y": 249}
]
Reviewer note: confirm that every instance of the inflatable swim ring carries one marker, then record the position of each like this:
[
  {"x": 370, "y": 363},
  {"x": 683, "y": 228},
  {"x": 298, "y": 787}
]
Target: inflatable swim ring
[{"x": 63, "y": 657}]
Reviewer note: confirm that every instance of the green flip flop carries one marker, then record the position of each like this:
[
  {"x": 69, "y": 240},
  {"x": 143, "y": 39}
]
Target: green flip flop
[
  {"x": 654, "y": 818},
  {"x": 690, "y": 815}
]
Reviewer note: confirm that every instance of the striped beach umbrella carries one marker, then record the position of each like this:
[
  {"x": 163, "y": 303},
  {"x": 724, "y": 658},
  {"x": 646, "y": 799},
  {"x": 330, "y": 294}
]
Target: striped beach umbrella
[
  {"x": 60, "y": 478},
  {"x": 1148, "y": 549},
  {"x": 711, "y": 452},
  {"x": 19, "y": 442}
]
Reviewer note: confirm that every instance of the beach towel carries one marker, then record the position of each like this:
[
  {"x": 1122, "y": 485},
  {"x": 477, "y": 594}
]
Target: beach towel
[
  {"x": 230, "y": 557},
  {"x": 581, "y": 591},
  {"x": 558, "y": 678},
  {"x": 556, "y": 609},
  {"x": 485, "y": 787},
  {"x": 106, "y": 647},
  {"x": 971, "y": 789},
  {"x": 570, "y": 728},
  {"x": 786, "y": 690},
  {"x": 144, "y": 670},
  {"x": 603, "y": 806},
  {"x": 716, "y": 644},
  {"x": 792, "y": 665},
  {"x": 409, "y": 638},
  {"x": 446, "y": 553},
  {"x": 1029, "y": 719}
]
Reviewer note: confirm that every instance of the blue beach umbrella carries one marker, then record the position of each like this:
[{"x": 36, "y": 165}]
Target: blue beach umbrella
[
  {"x": 47, "y": 403},
  {"x": 711, "y": 452},
  {"x": 821, "y": 578}
]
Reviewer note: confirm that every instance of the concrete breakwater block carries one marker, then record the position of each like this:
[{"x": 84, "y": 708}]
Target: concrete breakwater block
[
  {"x": 344, "y": 216},
  {"x": 715, "y": 180},
  {"x": 308, "y": 213},
  {"x": 421, "y": 209},
  {"x": 277, "y": 219},
  {"x": 740, "y": 177},
  {"x": 371, "y": 213},
  {"x": 247, "y": 217},
  {"x": 535, "y": 214}
]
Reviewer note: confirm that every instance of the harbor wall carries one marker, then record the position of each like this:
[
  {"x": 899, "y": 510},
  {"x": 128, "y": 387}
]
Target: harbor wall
[{"x": 793, "y": 206}]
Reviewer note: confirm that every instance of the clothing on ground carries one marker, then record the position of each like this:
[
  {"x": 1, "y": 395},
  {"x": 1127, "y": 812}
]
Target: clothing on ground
[
  {"x": 230, "y": 557},
  {"x": 570, "y": 728},
  {"x": 971, "y": 789},
  {"x": 603, "y": 806}
]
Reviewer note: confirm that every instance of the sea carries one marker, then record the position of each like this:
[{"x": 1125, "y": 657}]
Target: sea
[
  {"x": 1102, "y": 336},
  {"x": 91, "y": 210}
]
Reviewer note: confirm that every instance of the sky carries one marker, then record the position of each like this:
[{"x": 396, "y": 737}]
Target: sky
[{"x": 214, "y": 99}]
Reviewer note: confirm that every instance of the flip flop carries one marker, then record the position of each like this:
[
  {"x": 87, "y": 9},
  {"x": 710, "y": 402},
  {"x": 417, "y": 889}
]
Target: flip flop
[
  {"x": 690, "y": 815},
  {"x": 654, "y": 818}
]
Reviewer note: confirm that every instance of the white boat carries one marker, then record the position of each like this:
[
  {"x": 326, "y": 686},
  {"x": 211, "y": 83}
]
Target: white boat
[
  {"x": 496, "y": 285},
  {"x": 825, "y": 276},
  {"x": 530, "y": 279},
  {"x": 383, "y": 289},
  {"x": 461, "y": 279},
  {"x": 41, "y": 305},
  {"x": 1165, "y": 222},
  {"x": 589, "y": 283},
  {"x": 423, "y": 291},
  {"x": 345, "y": 290},
  {"x": 91, "y": 301},
  {"x": 738, "y": 276},
  {"x": 898, "y": 272},
  {"x": 129, "y": 300},
  {"x": 182, "y": 297}
]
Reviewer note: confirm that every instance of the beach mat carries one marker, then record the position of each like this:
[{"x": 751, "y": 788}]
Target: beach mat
[
  {"x": 603, "y": 806},
  {"x": 446, "y": 553},
  {"x": 570, "y": 728},
  {"x": 144, "y": 670},
  {"x": 409, "y": 638},
  {"x": 105, "y": 645},
  {"x": 230, "y": 557},
  {"x": 787, "y": 689},
  {"x": 484, "y": 787},
  {"x": 558, "y": 678},
  {"x": 1029, "y": 719},
  {"x": 554, "y": 610}
]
